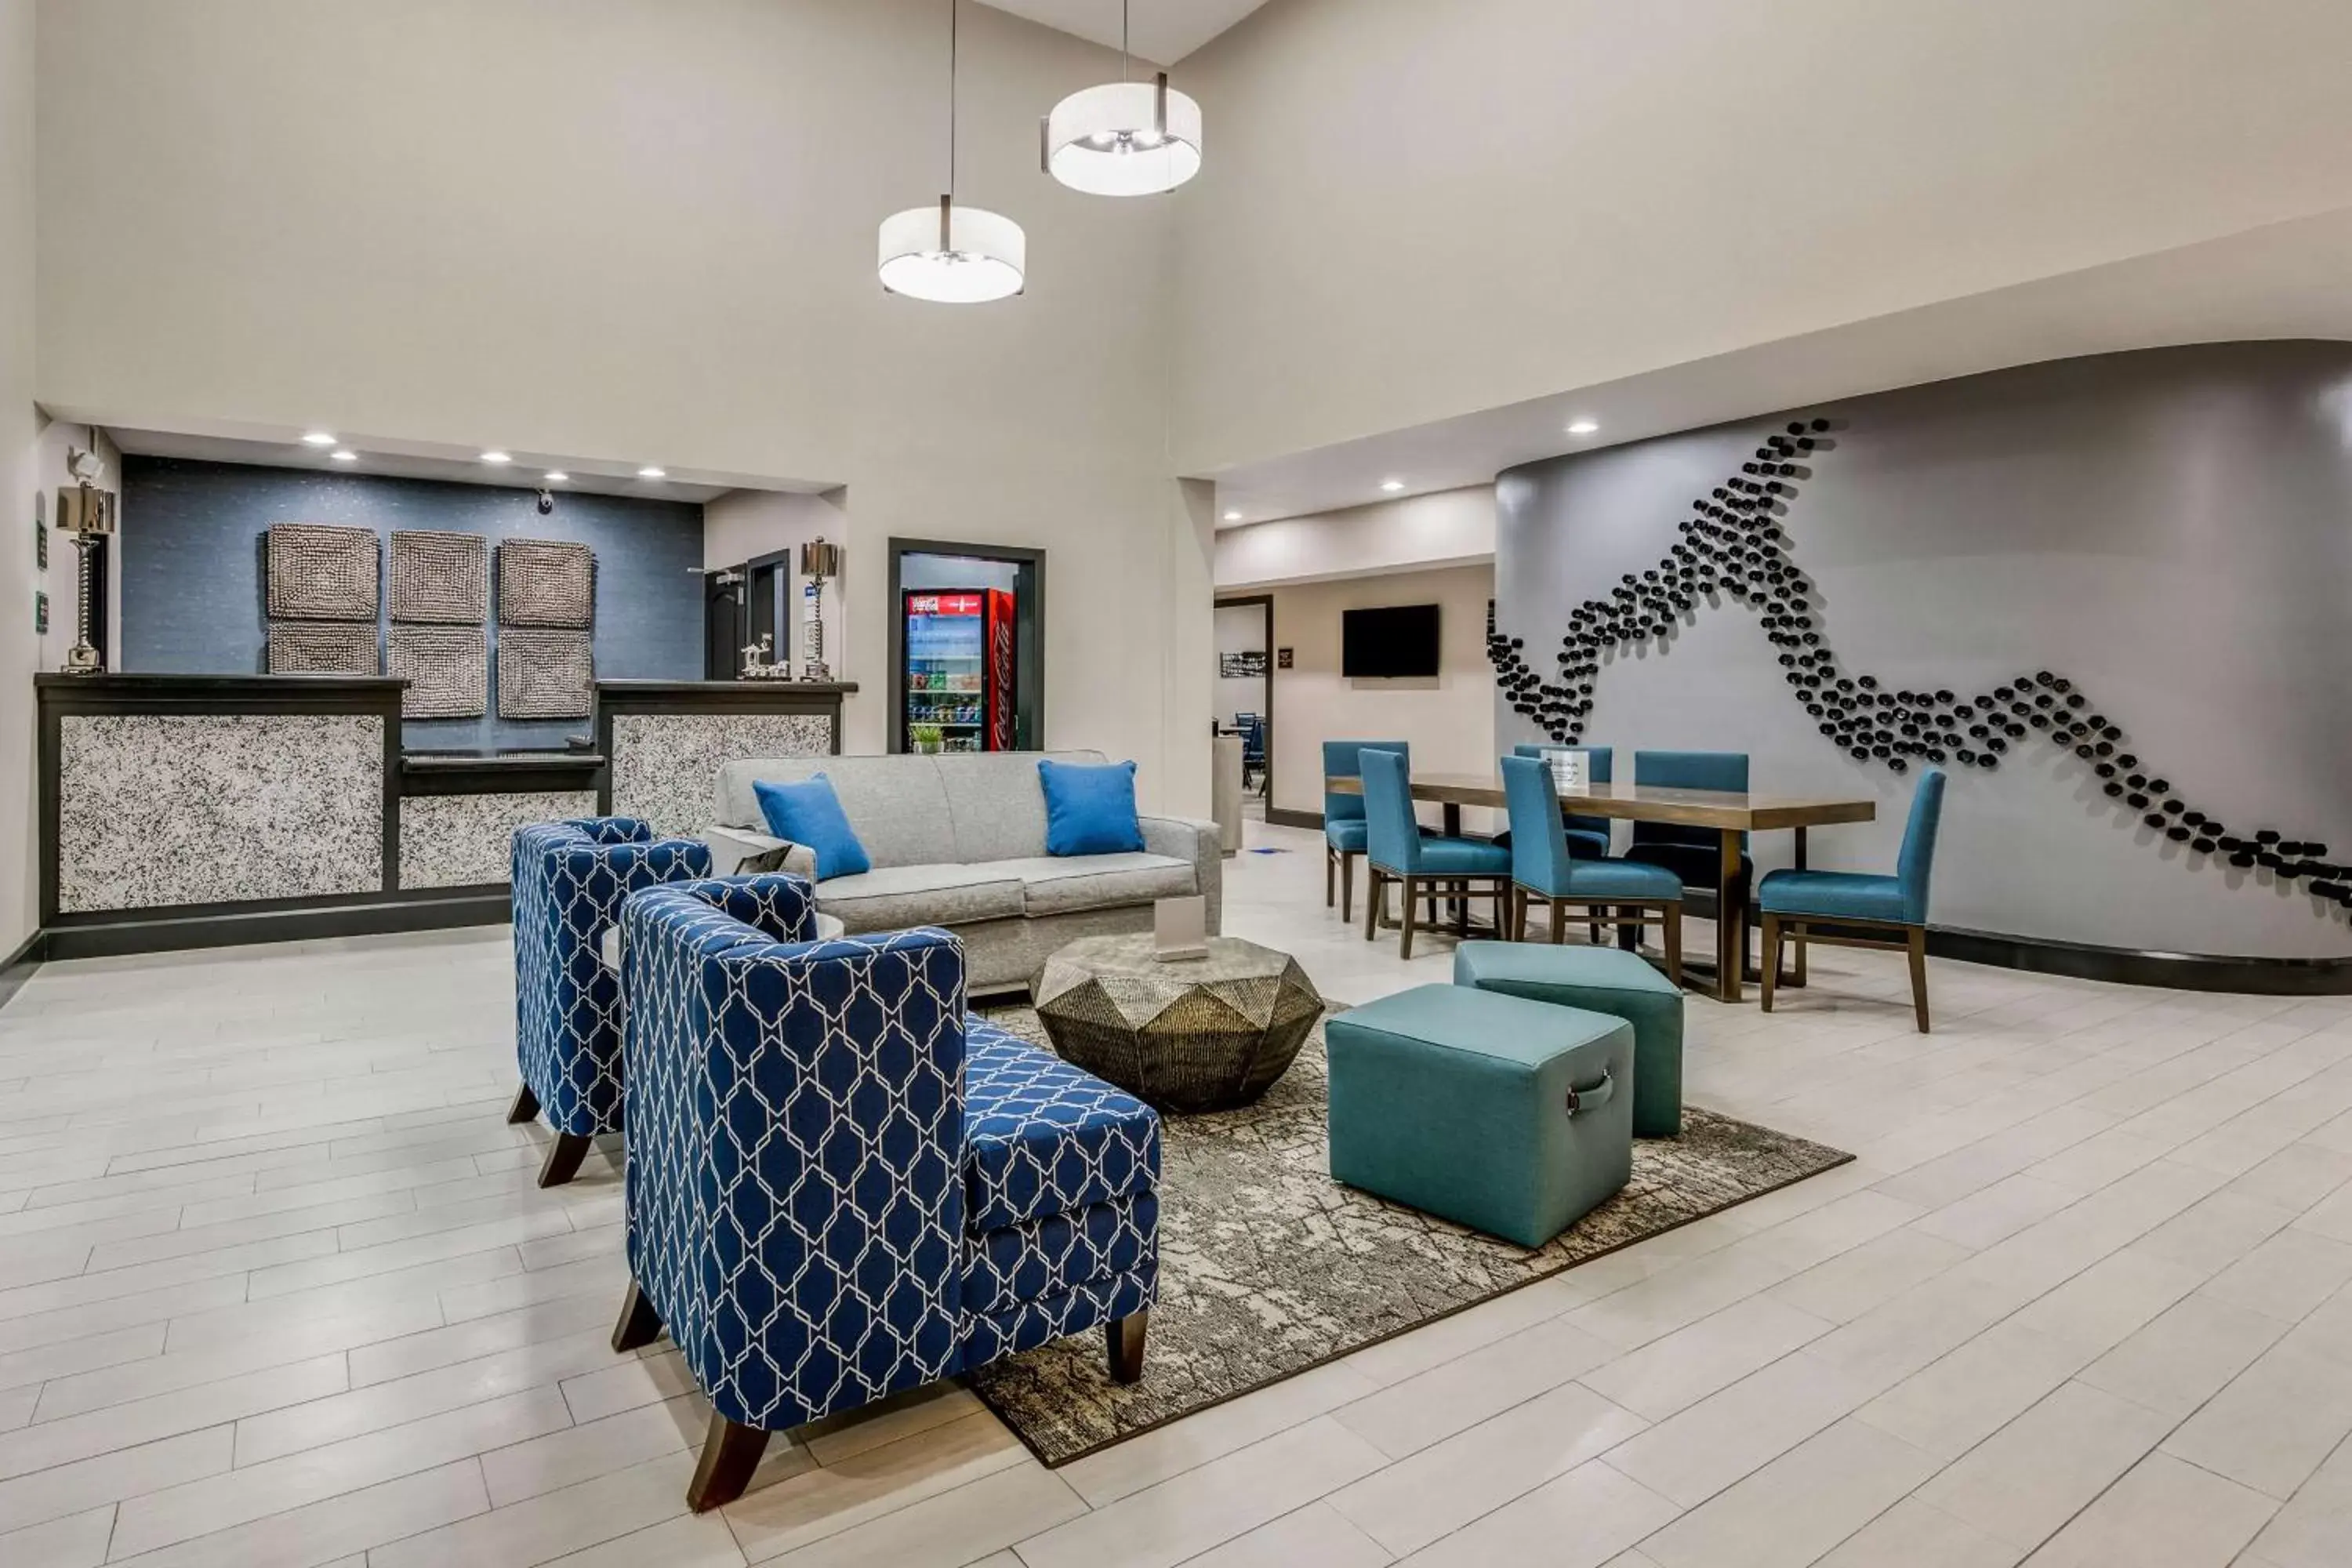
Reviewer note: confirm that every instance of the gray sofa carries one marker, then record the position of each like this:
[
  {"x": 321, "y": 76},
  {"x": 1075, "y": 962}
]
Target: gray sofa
[{"x": 959, "y": 840}]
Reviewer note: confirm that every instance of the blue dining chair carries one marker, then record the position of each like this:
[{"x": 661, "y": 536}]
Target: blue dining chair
[
  {"x": 1343, "y": 817},
  {"x": 1586, "y": 835},
  {"x": 1623, "y": 893},
  {"x": 1853, "y": 901},
  {"x": 1427, "y": 864},
  {"x": 1695, "y": 853}
]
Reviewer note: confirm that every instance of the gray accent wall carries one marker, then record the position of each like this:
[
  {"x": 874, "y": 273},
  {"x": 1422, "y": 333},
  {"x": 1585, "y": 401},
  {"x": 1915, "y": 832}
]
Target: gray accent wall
[
  {"x": 192, "y": 588},
  {"x": 2171, "y": 528}
]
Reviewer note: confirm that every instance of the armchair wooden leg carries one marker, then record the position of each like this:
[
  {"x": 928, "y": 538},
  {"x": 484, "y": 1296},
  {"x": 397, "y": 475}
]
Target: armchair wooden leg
[
  {"x": 1917, "y": 944},
  {"x": 730, "y": 1452},
  {"x": 525, "y": 1107},
  {"x": 1411, "y": 892},
  {"x": 563, "y": 1157},
  {"x": 1674, "y": 924},
  {"x": 1771, "y": 957},
  {"x": 1123, "y": 1338},
  {"x": 639, "y": 1326}
]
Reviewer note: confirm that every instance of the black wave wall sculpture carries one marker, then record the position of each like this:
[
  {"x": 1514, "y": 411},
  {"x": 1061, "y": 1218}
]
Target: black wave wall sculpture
[{"x": 1734, "y": 544}]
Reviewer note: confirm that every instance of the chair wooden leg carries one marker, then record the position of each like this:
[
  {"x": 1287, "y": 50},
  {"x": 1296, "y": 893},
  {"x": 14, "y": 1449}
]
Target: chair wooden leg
[
  {"x": 1123, "y": 1340},
  {"x": 1917, "y": 944},
  {"x": 1404, "y": 948},
  {"x": 1347, "y": 888},
  {"x": 1674, "y": 924},
  {"x": 639, "y": 1326},
  {"x": 1593, "y": 935},
  {"x": 525, "y": 1107},
  {"x": 730, "y": 1452},
  {"x": 1330, "y": 877},
  {"x": 1629, "y": 931},
  {"x": 1373, "y": 897},
  {"x": 1771, "y": 957},
  {"x": 1559, "y": 923},
  {"x": 1797, "y": 941},
  {"x": 563, "y": 1157}
]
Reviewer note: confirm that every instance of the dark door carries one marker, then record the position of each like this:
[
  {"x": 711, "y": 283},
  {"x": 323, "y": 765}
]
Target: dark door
[{"x": 723, "y": 634}]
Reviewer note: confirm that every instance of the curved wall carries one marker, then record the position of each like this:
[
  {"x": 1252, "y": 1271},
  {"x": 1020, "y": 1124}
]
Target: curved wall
[{"x": 2171, "y": 530}]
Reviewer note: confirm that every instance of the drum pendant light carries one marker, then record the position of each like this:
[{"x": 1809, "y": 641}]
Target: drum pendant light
[
  {"x": 949, "y": 253},
  {"x": 1123, "y": 138}
]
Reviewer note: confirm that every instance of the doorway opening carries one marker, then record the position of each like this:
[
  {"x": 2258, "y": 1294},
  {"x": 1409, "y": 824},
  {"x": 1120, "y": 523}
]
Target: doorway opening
[
  {"x": 967, "y": 647},
  {"x": 1244, "y": 701}
]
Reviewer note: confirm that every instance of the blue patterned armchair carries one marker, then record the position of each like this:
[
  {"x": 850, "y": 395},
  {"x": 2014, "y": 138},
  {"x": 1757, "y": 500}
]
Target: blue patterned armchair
[
  {"x": 841, "y": 1185},
  {"x": 569, "y": 878}
]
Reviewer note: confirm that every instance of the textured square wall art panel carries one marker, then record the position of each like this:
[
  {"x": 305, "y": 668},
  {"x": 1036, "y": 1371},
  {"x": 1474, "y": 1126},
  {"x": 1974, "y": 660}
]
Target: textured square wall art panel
[
  {"x": 545, "y": 674},
  {"x": 319, "y": 572},
  {"x": 546, "y": 582},
  {"x": 447, "y": 669},
  {"x": 440, "y": 577},
  {"x": 324, "y": 647}
]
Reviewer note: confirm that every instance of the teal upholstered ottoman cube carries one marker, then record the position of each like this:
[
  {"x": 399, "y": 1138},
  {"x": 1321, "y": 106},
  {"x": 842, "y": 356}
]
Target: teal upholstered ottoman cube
[
  {"x": 1600, "y": 980},
  {"x": 1509, "y": 1116}
]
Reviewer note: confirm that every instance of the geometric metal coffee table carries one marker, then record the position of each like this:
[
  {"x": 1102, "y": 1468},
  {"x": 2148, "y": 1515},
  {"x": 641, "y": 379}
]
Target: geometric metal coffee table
[{"x": 1194, "y": 1034}]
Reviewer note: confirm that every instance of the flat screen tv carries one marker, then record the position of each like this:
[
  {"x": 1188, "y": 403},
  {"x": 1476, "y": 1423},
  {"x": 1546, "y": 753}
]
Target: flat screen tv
[{"x": 1391, "y": 641}]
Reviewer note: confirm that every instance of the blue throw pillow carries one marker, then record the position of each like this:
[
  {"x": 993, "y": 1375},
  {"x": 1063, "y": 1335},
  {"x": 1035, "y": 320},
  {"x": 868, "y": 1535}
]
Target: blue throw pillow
[
  {"x": 810, "y": 814},
  {"x": 1089, "y": 808}
]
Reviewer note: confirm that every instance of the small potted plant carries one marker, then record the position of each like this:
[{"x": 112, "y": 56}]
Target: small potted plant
[{"x": 924, "y": 738}]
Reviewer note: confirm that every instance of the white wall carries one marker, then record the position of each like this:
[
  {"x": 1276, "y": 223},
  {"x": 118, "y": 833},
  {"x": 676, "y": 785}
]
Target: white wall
[
  {"x": 643, "y": 233},
  {"x": 1447, "y": 528},
  {"x": 1241, "y": 628},
  {"x": 1449, "y": 720},
  {"x": 743, "y": 524},
  {"x": 1412, "y": 211},
  {"x": 20, "y": 653}
]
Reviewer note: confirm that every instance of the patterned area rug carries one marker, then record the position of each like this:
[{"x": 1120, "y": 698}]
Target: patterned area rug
[{"x": 1268, "y": 1268}]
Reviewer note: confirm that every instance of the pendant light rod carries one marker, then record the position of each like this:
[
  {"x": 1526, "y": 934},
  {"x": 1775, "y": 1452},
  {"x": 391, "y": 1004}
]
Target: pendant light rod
[{"x": 955, "y": 18}]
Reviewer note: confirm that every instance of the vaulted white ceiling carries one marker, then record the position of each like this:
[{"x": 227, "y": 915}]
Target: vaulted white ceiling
[{"x": 1164, "y": 30}]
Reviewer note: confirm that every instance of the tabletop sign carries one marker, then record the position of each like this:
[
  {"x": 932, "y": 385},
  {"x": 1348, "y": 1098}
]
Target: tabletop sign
[
  {"x": 1572, "y": 769},
  {"x": 1180, "y": 928}
]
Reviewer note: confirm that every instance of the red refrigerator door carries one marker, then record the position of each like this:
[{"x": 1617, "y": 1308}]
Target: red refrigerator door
[{"x": 1000, "y": 734}]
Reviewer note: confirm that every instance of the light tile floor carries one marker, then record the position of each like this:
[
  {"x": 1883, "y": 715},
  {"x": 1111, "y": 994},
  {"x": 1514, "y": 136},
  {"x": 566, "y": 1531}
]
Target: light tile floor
[{"x": 276, "y": 1289}]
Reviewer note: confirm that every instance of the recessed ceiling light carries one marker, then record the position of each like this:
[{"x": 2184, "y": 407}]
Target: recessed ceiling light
[
  {"x": 1233, "y": 517},
  {"x": 1392, "y": 486},
  {"x": 317, "y": 439},
  {"x": 1582, "y": 427},
  {"x": 498, "y": 459},
  {"x": 344, "y": 454},
  {"x": 556, "y": 476},
  {"x": 650, "y": 472}
]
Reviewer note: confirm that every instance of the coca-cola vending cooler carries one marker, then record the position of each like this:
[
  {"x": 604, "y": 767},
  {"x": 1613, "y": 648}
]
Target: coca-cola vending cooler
[{"x": 960, "y": 668}]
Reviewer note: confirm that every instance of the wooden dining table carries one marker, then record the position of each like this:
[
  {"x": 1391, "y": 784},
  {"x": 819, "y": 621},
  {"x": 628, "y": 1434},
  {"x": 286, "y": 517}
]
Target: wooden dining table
[{"x": 1729, "y": 813}]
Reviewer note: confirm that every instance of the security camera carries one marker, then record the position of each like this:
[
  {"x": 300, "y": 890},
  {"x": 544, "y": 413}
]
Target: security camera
[{"x": 546, "y": 502}]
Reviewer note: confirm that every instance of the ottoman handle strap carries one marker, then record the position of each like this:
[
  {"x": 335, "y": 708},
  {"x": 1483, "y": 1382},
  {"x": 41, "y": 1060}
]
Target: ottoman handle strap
[{"x": 1581, "y": 1101}]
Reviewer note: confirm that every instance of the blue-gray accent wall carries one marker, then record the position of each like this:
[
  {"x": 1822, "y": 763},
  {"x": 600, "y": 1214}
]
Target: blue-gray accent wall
[
  {"x": 193, "y": 599},
  {"x": 2166, "y": 528}
]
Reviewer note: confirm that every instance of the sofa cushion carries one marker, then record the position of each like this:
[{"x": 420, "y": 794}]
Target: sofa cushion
[
  {"x": 995, "y": 803},
  {"x": 893, "y": 897},
  {"x": 1089, "y": 808},
  {"x": 1041, "y": 1137},
  {"x": 1062, "y": 885},
  {"x": 810, "y": 813},
  {"x": 896, "y": 805}
]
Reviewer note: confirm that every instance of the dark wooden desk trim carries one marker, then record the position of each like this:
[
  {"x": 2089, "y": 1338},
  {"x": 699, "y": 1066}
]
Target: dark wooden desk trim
[{"x": 528, "y": 773}]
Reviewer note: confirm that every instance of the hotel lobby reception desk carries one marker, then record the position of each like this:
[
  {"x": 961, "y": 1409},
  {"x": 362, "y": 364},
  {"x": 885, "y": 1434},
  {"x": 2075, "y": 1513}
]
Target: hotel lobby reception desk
[{"x": 194, "y": 811}]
